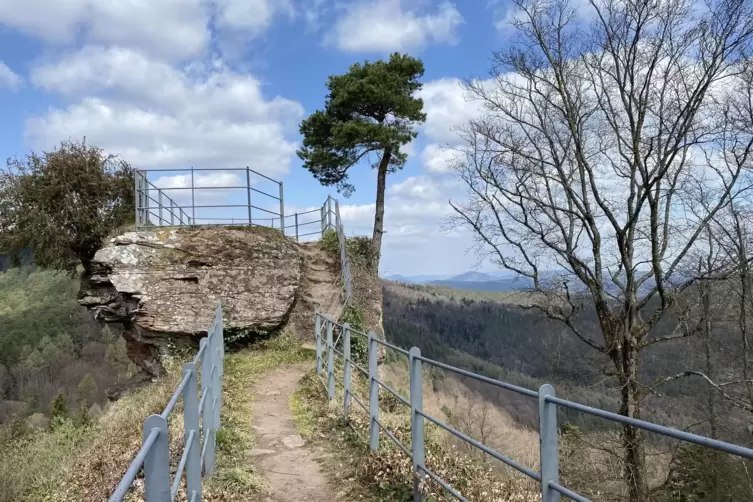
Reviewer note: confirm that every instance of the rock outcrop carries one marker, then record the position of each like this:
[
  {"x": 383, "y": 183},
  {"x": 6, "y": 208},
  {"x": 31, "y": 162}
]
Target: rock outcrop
[{"x": 162, "y": 286}]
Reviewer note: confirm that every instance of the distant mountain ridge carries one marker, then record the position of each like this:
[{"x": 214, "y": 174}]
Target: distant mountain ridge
[
  {"x": 417, "y": 279},
  {"x": 503, "y": 281},
  {"x": 470, "y": 276},
  {"x": 492, "y": 284}
]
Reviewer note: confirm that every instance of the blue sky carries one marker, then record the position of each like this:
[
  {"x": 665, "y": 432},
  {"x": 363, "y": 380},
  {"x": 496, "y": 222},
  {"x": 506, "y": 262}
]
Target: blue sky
[{"x": 224, "y": 83}]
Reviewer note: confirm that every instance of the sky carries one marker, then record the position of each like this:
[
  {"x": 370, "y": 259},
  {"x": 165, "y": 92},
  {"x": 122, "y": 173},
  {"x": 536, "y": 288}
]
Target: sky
[{"x": 224, "y": 84}]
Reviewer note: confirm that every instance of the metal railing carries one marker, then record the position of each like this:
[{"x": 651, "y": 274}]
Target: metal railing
[
  {"x": 548, "y": 475},
  {"x": 337, "y": 225},
  {"x": 327, "y": 217},
  {"x": 201, "y": 420},
  {"x": 156, "y": 207}
]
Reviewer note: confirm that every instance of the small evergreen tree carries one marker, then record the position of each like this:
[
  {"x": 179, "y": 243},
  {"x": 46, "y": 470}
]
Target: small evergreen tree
[
  {"x": 87, "y": 390},
  {"x": 84, "y": 420},
  {"x": 59, "y": 412}
]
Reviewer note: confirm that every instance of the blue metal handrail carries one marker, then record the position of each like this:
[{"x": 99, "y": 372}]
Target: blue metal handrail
[
  {"x": 198, "y": 414},
  {"x": 547, "y": 477},
  {"x": 166, "y": 212}
]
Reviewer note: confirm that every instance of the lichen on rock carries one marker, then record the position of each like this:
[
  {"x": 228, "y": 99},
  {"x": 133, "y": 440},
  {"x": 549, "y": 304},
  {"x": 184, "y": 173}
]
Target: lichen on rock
[{"x": 163, "y": 285}]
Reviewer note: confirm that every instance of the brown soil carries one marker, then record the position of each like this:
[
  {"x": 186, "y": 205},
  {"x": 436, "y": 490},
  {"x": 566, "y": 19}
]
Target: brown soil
[{"x": 284, "y": 458}]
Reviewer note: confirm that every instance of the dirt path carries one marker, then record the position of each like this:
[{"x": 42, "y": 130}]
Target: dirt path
[{"x": 283, "y": 456}]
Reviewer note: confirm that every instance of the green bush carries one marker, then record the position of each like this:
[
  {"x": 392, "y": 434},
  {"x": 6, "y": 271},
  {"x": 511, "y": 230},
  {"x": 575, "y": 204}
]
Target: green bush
[
  {"x": 361, "y": 250},
  {"x": 59, "y": 412},
  {"x": 330, "y": 243}
]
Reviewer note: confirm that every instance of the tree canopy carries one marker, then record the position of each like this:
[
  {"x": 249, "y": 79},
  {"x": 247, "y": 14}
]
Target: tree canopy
[
  {"x": 369, "y": 109},
  {"x": 62, "y": 204}
]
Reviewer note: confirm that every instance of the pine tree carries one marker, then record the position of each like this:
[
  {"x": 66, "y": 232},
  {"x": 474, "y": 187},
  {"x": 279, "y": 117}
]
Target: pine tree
[
  {"x": 370, "y": 109},
  {"x": 59, "y": 412}
]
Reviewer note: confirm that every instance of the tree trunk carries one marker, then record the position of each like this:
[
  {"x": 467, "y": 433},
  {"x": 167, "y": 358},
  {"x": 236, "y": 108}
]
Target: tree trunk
[
  {"x": 633, "y": 438},
  {"x": 707, "y": 332},
  {"x": 379, "y": 213},
  {"x": 633, "y": 441}
]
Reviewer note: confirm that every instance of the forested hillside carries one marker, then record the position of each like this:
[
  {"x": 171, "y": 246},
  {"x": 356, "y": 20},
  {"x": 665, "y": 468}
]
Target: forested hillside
[
  {"x": 49, "y": 345},
  {"x": 50, "y": 348},
  {"x": 488, "y": 333}
]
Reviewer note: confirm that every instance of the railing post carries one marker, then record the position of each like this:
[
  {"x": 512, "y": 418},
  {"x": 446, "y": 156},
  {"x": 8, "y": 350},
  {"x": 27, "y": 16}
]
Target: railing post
[
  {"x": 191, "y": 424},
  {"x": 329, "y": 211},
  {"x": 147, "y": 201},
  {"x": 373, "y": 392},
  {"x": 248, "y": 194},
  {"x": 137, "y": 198},
  {"x": 161, "y": 204},
  {"x": 207, "y": 416},
  {"x": 172, "y": 213},
  {"x": 157, "y": 461},
  {"x": 193, "y": 201},
  {"x": 220, "y": 349},
  {"x": 417, "y": 421},
  {"x": 282, "y": 210},
  {"x": 296, "y": 227},
  {"x": 348, "y": 280},
  {"x": 548, "y": 443},
  {"x": 318, "y": 328},
  {"x": 330, "y": 362},
  {"x": 324, "y": 219},
  {"x": 347, "y": 376}
]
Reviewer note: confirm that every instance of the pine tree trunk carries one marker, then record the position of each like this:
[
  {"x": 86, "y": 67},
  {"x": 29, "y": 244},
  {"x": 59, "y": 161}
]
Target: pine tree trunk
[{"x": 379, "y": 213}]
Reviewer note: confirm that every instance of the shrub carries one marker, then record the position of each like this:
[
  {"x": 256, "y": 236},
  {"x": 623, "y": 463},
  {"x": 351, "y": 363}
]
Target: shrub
[
  {"x": 59, "y": 412},
  {"x": 330, "y": 243}
]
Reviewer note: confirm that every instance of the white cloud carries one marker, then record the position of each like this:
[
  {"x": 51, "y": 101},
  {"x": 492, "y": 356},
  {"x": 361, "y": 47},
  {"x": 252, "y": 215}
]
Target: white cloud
[
  {"x": 253, "y": 16},
  {"x": 173, "y": 30},
  {"x": 386, "y": 25},
  {"x": 209, "y": 187},
  {"x": 414, "y": 241},
  {"x": 437, "y": 158},
  {"x": 416, "y": 202},
  {"x": 8, "y": 78},
  {"x": 313, "y": 13},
  {"x": 156, "y": 115},
  {"x": 447, "y": 109},
  {"x": 507, "y": 13},
  {"x": 51, "y": 21}
]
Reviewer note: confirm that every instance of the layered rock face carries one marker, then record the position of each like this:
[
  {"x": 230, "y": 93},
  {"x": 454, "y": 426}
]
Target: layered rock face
[{"x": 162, "y": 286}]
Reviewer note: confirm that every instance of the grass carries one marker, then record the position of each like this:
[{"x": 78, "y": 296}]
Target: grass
[
  {"x": 85, "y": 464},
  {"x": 73, "y": 463},
  {"x": 44, "y": 457},
  {"x": 386, "y": 474}
]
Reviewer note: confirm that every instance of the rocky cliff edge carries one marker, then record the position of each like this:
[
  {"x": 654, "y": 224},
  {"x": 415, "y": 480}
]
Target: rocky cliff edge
[{"x": 162, "y": 286}]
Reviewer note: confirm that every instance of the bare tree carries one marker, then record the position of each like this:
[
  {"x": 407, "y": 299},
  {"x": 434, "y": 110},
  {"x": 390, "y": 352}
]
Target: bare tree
[
  {"x": 474, "y": 418},
  {"x": 588, "y": 174},
  {"x": 729, "y": 231}
]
